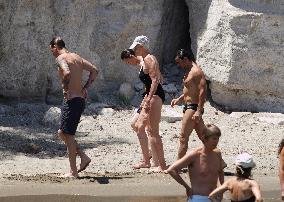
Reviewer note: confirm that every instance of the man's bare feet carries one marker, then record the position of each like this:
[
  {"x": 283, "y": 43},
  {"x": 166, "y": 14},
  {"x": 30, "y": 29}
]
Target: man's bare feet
[
  {"x": 69, "y": 175},
  {"x": 142, "y": 164},
  {"x": 84, "y": 163}
]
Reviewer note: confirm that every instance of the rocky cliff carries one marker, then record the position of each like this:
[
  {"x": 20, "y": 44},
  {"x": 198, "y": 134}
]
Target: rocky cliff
[
  {"x": 240, "y": 46},
  {"x": 238, "y": 43}
]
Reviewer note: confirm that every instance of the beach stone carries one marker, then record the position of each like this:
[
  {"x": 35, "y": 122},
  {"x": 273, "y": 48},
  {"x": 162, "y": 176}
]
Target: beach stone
[
  {"x": 170, "y": 88},
  {"x": 126, "y": 91},
  {"x": 107, "y": 112},
  {"x": 171, "y": 114},
  {"x": 52, "y": 117},
  {"x": 239, "y": 115},
  {"x": 95, "y": 108},
  {"x": 271, "y": 118}
]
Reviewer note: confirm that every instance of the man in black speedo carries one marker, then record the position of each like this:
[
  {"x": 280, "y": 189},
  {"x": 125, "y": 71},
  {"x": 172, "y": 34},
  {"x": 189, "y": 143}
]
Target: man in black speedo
[{"x": 193, "y": 96}]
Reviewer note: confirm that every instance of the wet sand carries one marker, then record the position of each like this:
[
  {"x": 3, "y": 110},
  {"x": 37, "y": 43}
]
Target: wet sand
[
  {"x": 134, "y": 188},
  {"x": 32, "y": 159}
]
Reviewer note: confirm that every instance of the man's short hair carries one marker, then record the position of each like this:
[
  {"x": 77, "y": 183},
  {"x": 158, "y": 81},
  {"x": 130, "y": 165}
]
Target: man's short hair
[
  {"x": 211, "y": 130},
  {"x": 182, "y": 53},
  {"x": 57, "y": 41}
]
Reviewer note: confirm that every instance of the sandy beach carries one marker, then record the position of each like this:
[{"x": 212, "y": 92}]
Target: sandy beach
[{"x": 32, "y": 158}]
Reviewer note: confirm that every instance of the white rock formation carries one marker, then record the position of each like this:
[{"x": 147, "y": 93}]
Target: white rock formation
[{"x": 240, "y": 47}]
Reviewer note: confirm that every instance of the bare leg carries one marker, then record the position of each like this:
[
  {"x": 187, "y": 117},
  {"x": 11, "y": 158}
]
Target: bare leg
[
  {"x": 153, "y": 129},
  {"x": 143, "y": 140},
  {"x": 85, "y": 160},
  {"x": 186, "y": 129},
  {"x": 71, "y": 146}
]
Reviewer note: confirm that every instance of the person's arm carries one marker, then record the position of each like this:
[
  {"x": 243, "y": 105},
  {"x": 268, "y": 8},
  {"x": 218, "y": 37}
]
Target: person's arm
[
  {"x": 217, "y": 192},
  {"x": 222, "y": 166},
  {"x": 93, "y": 72},
  {"x": 256, "y": 192},
  {"x": 174, "y": 169},
  {"x": 64, "y": 68},
  {"x": 281, "y": 172},
  {"x": 202, "y": 93},
  {"x": 150, "y": 66},
  {"x": 176, "y": 100}
]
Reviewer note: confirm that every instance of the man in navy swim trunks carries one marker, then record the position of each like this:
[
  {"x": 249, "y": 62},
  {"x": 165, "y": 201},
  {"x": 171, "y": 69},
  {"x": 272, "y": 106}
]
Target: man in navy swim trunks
[
  {"x": 70, "y": 69},
  {"x": 194, "y": 92}
]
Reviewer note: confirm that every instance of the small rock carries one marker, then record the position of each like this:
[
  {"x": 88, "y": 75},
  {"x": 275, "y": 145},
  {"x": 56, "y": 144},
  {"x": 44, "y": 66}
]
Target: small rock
[
  {"x": 126, "y": 90},
  {"x": 107, "y": 112},
  {"x": 271, "y": 118},
  {"x": 52, "y": 117},
  {"x": 171, "y": 114},
  {"x": 238, "y": 115},
  {"x": 95, "y": 108}
]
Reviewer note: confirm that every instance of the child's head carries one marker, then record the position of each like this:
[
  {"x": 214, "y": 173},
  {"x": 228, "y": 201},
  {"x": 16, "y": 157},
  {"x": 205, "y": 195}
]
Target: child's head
[
  {"x": 211, "y": 136},
  {"x": 244, "y": 165}
]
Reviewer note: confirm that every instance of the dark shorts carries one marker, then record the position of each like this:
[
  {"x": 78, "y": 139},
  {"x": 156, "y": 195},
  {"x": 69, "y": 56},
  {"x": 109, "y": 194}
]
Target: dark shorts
[
  {"x": 190, "y": 106},
  {"x": 70, "y": 114}
]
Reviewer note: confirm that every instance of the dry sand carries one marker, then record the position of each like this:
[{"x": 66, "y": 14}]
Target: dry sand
[{"x": 31, "y": 154}]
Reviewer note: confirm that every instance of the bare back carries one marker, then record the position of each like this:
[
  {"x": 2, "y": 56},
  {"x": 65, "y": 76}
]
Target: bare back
[
  {"x": 192, "y": 84},
  {"x": 204, "y": 172},
  {"x": 241, "y": 189},
  {"x": 76, "y": 65}
]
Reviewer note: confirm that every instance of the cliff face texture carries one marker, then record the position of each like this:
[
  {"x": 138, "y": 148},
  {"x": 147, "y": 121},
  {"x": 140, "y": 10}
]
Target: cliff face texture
[
  {"x": 241, "y": 49},
  {"x": 239, "y": 44}
]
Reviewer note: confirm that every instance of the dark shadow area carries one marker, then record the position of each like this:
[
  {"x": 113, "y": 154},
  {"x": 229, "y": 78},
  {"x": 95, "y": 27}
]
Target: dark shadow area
[
  {"x": 260, "y": 6},
  {"x": 102, "y": 179},
  {"x": 174, "y": 33},
  {"x": 40, "y": 143}
]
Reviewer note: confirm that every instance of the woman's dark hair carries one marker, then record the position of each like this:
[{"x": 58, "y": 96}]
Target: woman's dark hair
[
  {"x": 57, "y": 41},
  {"x": 281, "y": 145},
  {"x": 243, "y": 172},
  {"x": 182, "y": 53},
  {"x": 127, "y": 53}
]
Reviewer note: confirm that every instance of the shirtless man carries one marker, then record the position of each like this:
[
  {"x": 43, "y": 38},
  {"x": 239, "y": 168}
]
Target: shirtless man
[
  {"x": 193, "y": 96},
  {"x": 205, "y": 167},
  {"x": 70, "y": 69}
]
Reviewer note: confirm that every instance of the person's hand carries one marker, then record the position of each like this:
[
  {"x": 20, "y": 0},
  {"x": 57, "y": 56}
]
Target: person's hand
[
  {"x": 188, "y": 192},
  {"x": 197, "y": 116},
  {"x": 282, "y": 195},
  {"x": 174, "y": 102},
  {"x": 85, "y": 93}
]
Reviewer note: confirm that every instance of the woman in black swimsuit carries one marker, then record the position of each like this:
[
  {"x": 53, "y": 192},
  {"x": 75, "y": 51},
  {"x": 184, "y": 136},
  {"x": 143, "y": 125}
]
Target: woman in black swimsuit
[
  {"x": 150, "y": 115},
  {"x": 242, "y": 187}
]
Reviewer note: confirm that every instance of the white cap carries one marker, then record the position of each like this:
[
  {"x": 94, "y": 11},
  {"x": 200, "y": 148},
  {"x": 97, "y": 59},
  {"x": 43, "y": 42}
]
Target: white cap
[
  {"x": 245, "y": 160},
  {"x": 141, "y": 40}
]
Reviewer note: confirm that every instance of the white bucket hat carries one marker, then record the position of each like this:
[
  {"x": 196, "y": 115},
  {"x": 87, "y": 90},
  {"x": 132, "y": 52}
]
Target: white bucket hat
[
  {"x": 245, "y": 161},
  {"x": 141, "y": 40}
]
